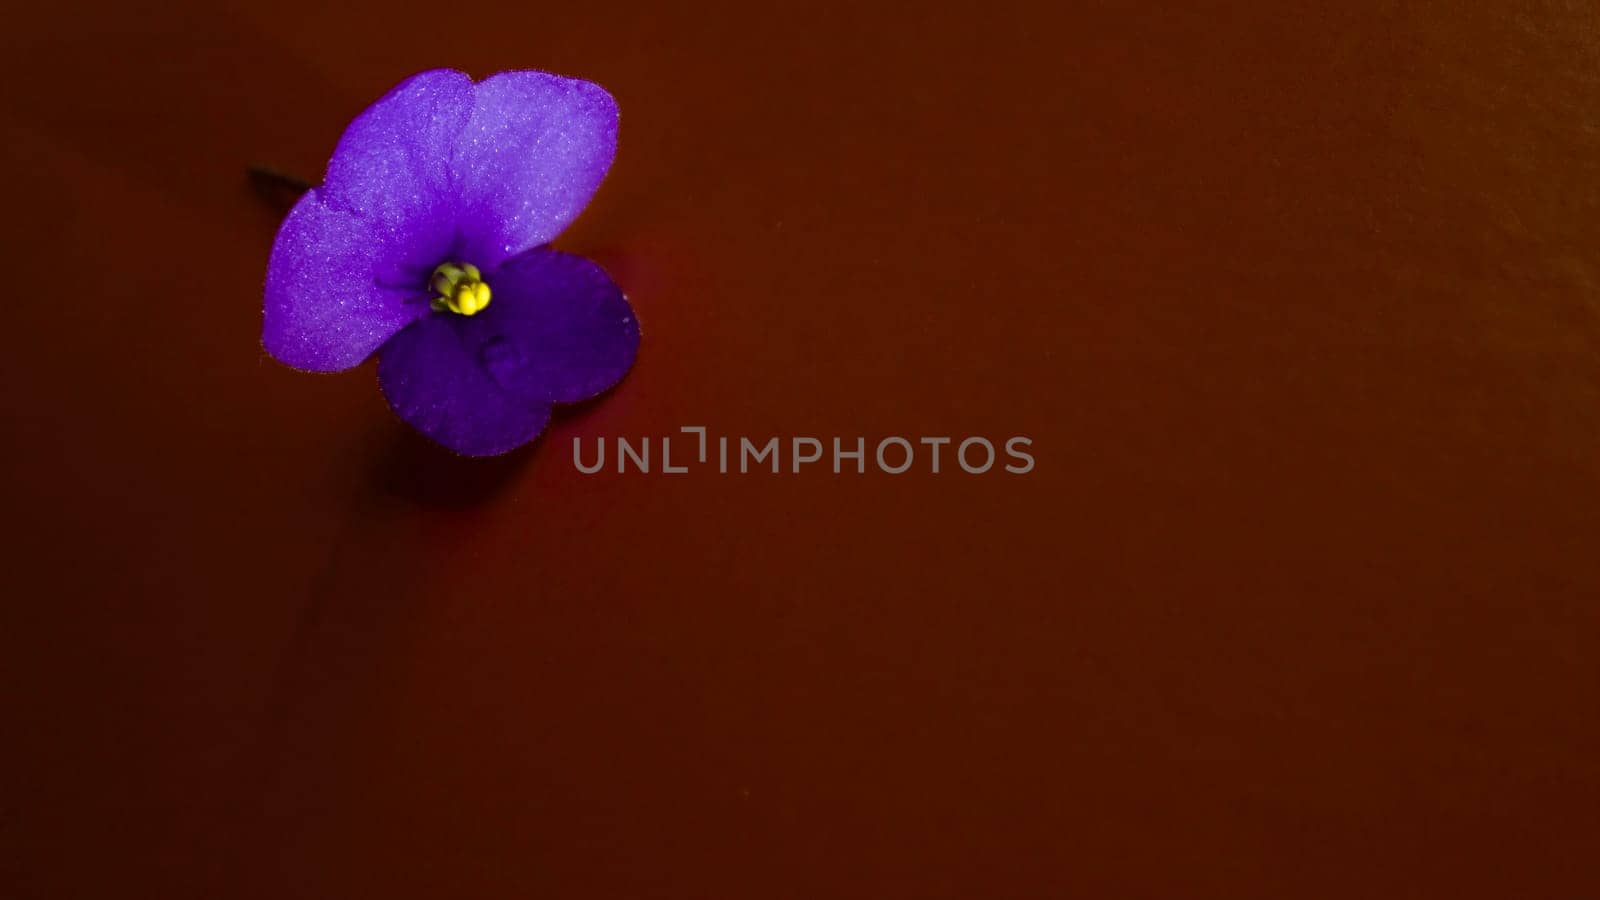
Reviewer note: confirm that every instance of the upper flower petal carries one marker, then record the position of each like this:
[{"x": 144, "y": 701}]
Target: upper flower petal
[
  {"x": 392, "y": 165},
  {"x": 331, "y": 295},
  {"x": 533, "y": 151}
]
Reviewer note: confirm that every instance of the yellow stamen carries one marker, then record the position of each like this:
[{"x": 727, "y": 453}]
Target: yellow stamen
[{"x": 460, "y": 288}]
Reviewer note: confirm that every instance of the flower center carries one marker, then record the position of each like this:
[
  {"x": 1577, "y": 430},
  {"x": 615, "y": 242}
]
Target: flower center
[{"x": 460, "y": 288}]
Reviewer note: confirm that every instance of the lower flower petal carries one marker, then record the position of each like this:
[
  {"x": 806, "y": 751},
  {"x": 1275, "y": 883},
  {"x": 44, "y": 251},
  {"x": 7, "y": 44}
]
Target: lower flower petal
[
  {"x": 330, "y": 300},
  {"x": 435, "y": 379},
  {"x": 558, "y": 329}
]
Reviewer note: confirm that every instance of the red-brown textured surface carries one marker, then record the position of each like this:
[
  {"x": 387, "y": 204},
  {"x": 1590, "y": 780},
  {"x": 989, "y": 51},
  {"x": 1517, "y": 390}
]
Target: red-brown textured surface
[{"x": 1296, "y": 299}]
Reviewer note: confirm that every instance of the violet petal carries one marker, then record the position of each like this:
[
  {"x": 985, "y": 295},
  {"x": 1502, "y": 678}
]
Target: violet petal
[
  {"x": 434, "y": 381},
  {"x": 392, "y": 165},
  {"x": 532, "y": 153},
  {"x": 558, "y": 329},
  {"x": 327, "y": 306}
]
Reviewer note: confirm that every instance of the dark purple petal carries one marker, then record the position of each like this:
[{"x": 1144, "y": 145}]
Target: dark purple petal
[
  {"x": 534, "y": 150},
  {"x": 392, "y": 166},
  {"x": 434, "y": 378},
  {"x": 558, "y": 329},
  {"x": 326, "y": 304}
]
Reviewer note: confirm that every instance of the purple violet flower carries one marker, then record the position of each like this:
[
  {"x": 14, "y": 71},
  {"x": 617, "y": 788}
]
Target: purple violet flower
[{"x": 426, "y": 243}]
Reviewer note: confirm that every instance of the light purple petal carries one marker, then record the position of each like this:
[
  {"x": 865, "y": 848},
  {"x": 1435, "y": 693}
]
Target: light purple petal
[
  {"x": 392, "y": 165},
  {"x": 561, "y": 329},
  {"x": 532, "y": 153},
  {"x": 435, "y": 379},
  {"x": 327, "y": 306}
]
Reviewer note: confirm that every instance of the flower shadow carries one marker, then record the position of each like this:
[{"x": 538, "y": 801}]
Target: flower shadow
[{"x": 410, "y": 467}]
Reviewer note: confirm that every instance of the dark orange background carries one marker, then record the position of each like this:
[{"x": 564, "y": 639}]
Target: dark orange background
[{"x": 1297, "y": 301}]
